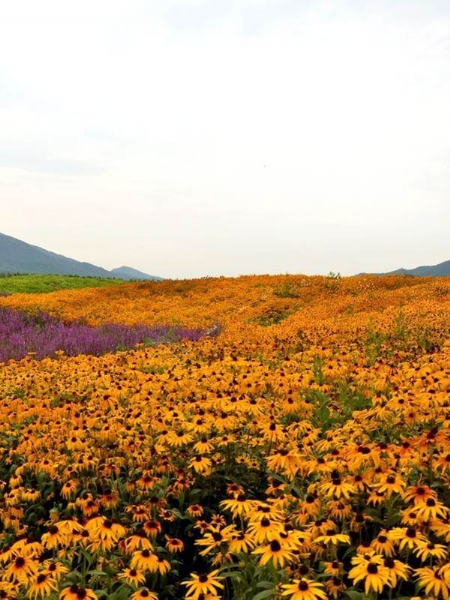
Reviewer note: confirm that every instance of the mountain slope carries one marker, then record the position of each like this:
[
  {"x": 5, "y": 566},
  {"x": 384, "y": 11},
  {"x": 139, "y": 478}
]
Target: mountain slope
[
  {"x": 19, "y": 257},
  {"x": 130, "y": 273},
  {"x": 440, "y": 270}
]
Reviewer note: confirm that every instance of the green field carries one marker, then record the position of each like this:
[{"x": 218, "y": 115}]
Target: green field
[{"x": 33, "y": 284}]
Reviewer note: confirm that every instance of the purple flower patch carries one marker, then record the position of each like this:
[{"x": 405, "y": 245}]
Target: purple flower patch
[{"x": 44, "y": 335}]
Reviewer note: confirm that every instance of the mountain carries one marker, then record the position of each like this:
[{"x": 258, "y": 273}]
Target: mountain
[
  {"x": 440, "y": 270},
  {"x": 129, "y": 273},
  {"x": 19, "y": 257}
]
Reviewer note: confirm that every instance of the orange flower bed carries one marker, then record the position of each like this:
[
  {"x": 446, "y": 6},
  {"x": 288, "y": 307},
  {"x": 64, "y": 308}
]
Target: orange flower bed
[{"x": 301, "y": 450}]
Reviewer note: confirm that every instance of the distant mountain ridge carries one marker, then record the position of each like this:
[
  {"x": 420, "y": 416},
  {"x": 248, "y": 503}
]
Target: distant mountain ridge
[
  {"x": 440, "y": 270},
  {"x": 17, "y": 256}
]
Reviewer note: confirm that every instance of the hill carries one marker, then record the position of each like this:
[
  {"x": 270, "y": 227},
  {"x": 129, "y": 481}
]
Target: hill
[
  {"x": 129, "y": 273},
  {"x": 440, "y": 270},
  {"x": 17, "y": 256}
]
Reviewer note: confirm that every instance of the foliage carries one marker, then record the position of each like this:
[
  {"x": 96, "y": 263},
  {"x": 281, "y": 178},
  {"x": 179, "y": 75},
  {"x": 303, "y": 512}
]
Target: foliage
[{"x": 18, "y": 283}]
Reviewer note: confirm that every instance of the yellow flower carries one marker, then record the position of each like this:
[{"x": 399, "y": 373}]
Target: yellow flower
[
  {"x": 372, "y": 571},
  {"x": 275, "y": 552},
  {"x": 145, "y": 560},
  {"x": 240, "y": 505},
  {"x": 42, "y": 585},
  {"x": 433, "y": 582},
  {"x": 203, "y": 584},
  {"x": 304, "y": 589},
  {"x": 77, "y": 593},
  {"x": 132, "y": 576},
  {"x": 144, "y": 594}
]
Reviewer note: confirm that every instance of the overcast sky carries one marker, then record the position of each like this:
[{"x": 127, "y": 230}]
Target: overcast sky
[{"x": 188, "y": 138}]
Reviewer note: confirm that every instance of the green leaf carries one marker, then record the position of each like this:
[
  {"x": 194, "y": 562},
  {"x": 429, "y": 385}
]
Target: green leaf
[
  {"x": 354, "y": 595},
  {"x": 265, "y": 585},
  {"x": 264, "y": 594}
]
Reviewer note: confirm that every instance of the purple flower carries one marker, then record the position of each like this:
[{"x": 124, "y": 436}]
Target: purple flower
[{"x": 44, "y": 335}]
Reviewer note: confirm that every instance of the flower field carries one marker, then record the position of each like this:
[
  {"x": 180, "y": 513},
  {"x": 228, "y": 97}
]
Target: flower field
[{"x": 288, "y": 439}]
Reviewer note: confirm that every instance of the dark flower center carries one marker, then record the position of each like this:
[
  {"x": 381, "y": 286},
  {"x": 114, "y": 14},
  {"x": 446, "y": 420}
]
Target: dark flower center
[
  {"x": 303, "y": 570},
  {"x": 303, "y": 586},
  {"x": 275, "y": 546},
  {"x": 372, "y": 568},
  {"x": 203, "y": 578}
]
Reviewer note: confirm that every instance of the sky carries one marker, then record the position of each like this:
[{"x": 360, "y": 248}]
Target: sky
[{"x": 192, "y": 138}]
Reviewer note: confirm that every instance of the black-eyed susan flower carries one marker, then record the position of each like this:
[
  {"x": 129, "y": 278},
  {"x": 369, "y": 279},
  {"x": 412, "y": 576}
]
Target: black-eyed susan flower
[
  {"x": 419, "y": 493},
  {"x": 335, "y": 587},
  {"x": 201, "y": 464},
  {"x": 275, "y": 552},
  {"x": 214, "y": 538},
  {"x": 334, "y": 568},
  {"x": 239, "y": 505},
  {"x": 390, "y": 484},
  {"x": 144, "y": 560},
  {"x": 407, "y": 537},
  {"x": 42, "y": 585},
  {"x": 195, "y": 510},
  {"x": 137, "y": 541},
  {"x": 304, "y": 589},
  {"x": 132, "y": 576},
  {"x": 337, "y": 488},
  {"x": 397, "y": 571},
  {"x": 382, "y": 544},
  {"x": 144, "y": 594},
  {"x": 69, "y": 488},
  {"x": 22, "y": 568},
  {"x": 433, "y": 581},
  {"x": 53, "y": 537},
  {"x": 174, "y": 545},
  {"x": 163, "y": 566},
  {"x": 264, "y": 530},
  {"x": 331, "y": 536},
  {"x": 241, "y": 542},
  {"x": 427, "y": 550},
  {"x": 77, "y": 593},
  {"x": 373, "y": 572},
  {"x": 55, "y": 569},
  {"x": 152, "y": 527},
  {"x": 8, "y": 591},
  {"x": 430, "y": 509},
  {"x": 203, "y": 584}
]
